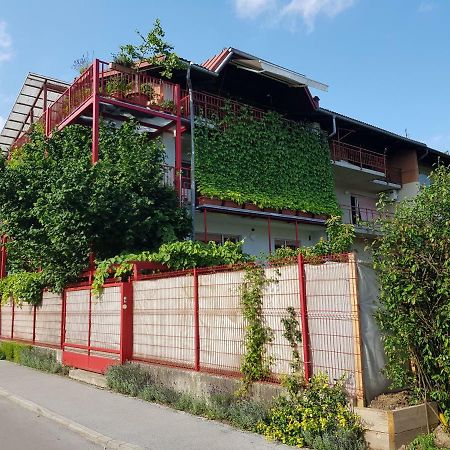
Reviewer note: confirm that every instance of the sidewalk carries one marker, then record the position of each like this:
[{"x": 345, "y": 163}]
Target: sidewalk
[{"x": 130, "y": 420}]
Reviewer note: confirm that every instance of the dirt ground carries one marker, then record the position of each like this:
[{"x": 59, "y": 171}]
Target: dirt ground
[{"x": 391, "y": 401}]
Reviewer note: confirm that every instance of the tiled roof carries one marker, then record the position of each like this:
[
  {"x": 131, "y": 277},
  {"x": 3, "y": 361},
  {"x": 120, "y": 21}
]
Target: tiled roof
[{"x": 214, "y": 62}]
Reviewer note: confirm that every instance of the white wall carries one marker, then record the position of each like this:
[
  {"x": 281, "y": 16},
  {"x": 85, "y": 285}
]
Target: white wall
[{"x": 255, "y": 231}]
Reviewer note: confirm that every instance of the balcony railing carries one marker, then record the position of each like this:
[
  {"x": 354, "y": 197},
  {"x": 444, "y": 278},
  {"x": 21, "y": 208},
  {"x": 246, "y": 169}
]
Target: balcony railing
[
  {"x": 365, "y": 159},
  {"x": 363, "y": 217}
]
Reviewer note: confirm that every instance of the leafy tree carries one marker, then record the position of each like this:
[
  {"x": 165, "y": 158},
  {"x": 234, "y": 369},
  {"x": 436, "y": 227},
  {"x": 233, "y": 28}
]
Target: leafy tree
[
  {"x": 152, "y": 49},
  {"x": 412, "y": 258},
  {"x": 56, "y": 207}
]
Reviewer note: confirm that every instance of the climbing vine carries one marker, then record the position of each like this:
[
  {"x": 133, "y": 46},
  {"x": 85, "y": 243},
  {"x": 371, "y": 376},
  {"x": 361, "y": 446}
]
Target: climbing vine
[
  {"x": 175, "y": 255},
  {"x": 256, "y": 362},
  {"x": 293, "y": 334},
  {"x": 268, "y": 162}
]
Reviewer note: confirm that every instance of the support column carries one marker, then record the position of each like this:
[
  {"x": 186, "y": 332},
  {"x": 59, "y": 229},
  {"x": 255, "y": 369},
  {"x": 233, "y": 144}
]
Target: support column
[
  {"x": 304, "y": 318},
  {"x": 95, "y": 113},
  {"x": 269, "y": 235},
  {"x": 297, "y": 241}
]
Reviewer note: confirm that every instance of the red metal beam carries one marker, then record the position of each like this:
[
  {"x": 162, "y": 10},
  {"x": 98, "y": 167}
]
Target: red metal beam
[{"x": 95, "y": 113}]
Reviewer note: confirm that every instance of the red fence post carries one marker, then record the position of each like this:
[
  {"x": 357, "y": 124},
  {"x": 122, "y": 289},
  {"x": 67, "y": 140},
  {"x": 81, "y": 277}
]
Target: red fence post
[
  {"x": 304, "y": 317},
  {"x": 63, "y": 319},
  {"x": 126, "y": 322},
  {"x": 196, "y": 324}
]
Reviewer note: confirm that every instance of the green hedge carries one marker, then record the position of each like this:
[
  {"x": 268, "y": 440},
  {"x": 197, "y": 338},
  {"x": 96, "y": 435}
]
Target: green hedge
[{"x": 268, "y": 162}]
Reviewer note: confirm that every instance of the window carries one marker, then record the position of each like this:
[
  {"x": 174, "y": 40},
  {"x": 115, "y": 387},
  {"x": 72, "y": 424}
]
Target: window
[
  {"x": 217, "y": 238},
  {"x": 285, "y": 243}
]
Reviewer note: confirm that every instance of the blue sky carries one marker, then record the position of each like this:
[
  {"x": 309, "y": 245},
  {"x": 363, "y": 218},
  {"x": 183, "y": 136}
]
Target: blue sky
[{"x": 387, "y": 61}]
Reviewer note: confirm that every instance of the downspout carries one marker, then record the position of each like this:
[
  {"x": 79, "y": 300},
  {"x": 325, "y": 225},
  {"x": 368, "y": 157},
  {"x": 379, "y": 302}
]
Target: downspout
[
  {"x": 424, "y": 155},
  {"x": 192, "y": 122},
  {"x": 334, "y": 127}
]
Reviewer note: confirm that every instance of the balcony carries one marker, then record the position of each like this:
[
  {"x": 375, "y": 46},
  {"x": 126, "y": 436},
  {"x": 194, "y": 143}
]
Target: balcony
[
  {"x": 372, "y": 163},
  {"x": 364, "y": 219}
]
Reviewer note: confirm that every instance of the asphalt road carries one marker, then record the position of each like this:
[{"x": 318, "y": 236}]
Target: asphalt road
[{"x": 21, "y": 429}]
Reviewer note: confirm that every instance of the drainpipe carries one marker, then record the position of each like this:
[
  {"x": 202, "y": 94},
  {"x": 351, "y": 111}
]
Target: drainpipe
[
  {"x": 191, "y": 118},
  {"x": 334, "y": 127},
  {"x": 425, "y": 154}
]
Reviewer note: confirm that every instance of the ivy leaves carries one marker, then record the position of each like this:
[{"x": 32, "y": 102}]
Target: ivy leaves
[
  {"x": 267, "y": 162},
  {"x": 56, "y": 207}
]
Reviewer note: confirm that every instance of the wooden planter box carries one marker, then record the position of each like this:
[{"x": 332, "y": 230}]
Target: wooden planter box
[
  {"x": 304, "y": 214},
  {"x": 251, "y": 207},
  {"x": 271, "y": 210},
  {"x": 389, "y": 430},
  {"x": 209, "y": 201},
  {"x": 288, "y": 212},
  {"x": 231, "y": 204}
]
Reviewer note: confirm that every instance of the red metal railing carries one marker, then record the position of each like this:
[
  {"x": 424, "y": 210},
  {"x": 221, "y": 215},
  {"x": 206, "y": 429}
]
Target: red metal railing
[
  {"x": 362, "y": 217},
  {"x": 212, "y": 106},
  {"x": 70, "y": 100},
  {"x": 358, "y": 156},
  {"x": 136, "y": 87}
]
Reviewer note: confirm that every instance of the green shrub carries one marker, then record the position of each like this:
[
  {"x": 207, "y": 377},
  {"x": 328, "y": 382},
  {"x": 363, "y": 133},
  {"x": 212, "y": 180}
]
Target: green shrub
[
  {"x": 412, "y": 261},
  {"x": 319, "y": 411},
  {"x": 128, "y": 379},
  {"x": 12, "y": 350},
  {"x": 247, "y": 414},
  {"x": 41, "y": 359},
  {"x": 423, "y": 442}
]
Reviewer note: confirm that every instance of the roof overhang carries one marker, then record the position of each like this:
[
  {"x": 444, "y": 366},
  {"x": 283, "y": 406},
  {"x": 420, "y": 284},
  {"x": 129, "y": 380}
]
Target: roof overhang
[
  {"x": 252, "y": 63},
  {"x": 36, "y": 93},
  {"x": 270, "y": 70}
]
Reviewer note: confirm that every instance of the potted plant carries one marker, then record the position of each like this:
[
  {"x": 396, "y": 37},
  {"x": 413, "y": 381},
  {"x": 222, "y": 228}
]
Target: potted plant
[
  {"x": 117, "y": 87},
  {"x": 122, "y": 63},
  {"x": 82, "y": 64}
]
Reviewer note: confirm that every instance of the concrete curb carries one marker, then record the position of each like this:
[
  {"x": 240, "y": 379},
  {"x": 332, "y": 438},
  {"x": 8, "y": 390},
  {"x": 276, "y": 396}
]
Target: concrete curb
[{"x": 97, "y": 438}]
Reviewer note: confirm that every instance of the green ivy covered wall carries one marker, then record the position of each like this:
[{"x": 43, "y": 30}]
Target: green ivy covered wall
[{"x": 269, "y": 162}]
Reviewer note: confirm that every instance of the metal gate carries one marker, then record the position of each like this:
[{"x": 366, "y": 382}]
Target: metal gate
[{"x": 97, "y": 332}]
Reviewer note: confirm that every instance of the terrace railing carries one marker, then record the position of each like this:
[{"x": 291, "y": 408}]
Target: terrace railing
[
  {"x": 363, "y": 217},
  {"x": 359, "y": 156}
]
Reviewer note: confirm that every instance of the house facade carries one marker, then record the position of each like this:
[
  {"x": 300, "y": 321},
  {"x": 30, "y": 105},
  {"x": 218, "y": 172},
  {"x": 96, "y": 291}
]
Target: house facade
[{"x": 359, "y": 162}]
